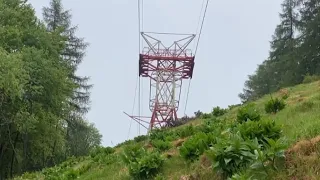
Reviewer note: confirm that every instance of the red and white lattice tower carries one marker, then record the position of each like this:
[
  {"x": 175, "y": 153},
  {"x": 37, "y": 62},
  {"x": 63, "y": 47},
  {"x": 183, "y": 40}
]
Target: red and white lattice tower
[{"x": 166, "y": 67}]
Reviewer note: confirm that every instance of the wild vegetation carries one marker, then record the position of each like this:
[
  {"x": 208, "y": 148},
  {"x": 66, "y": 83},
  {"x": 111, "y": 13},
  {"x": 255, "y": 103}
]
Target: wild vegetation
[
  {"x": 274, "y": 134},
  {"x": 42, "y": 100},
  {"x": 294, "y": 55},
  {"x": 281, "y": 145}
]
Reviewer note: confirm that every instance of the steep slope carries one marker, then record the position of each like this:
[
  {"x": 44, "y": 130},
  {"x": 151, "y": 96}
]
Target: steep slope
[{"x": 299, "y": 123}]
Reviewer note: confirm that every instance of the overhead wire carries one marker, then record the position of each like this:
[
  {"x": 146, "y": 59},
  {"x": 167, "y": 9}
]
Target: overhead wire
[
  {"x": 140, "y": 11},
  {"x": 139, "y": 104},
  {"x": 138, "y": 77},
  {"x": 204, "y": 16}
]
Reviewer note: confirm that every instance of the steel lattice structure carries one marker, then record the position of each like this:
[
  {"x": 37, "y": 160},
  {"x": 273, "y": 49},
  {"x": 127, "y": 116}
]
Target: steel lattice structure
[{"x": 166, "y": 67}]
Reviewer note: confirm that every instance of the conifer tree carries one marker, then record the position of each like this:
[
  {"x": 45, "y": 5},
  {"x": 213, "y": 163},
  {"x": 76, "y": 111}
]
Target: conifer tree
[{"x": 58, "y": 19}]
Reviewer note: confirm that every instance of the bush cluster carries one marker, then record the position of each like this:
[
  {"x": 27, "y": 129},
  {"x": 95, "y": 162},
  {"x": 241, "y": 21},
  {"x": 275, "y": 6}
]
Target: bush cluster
[
  {"x": 248, "y": 112},
  {"x": 196, "y": 145},
  {"x": 236, "y": 148},
  {"x": 274, "y": 105},
  {"x": 161, "y": 145},
  {"x": 141, "y": 163},
  {"x": 262, "y": 130},
  {"x": 217, "y": 111}
]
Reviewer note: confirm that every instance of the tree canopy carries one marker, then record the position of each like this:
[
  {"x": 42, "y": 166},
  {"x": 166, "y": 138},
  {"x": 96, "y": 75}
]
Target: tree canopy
[
  {"x": 294, "y": 51},
  {"x": 42, "y": 100}
]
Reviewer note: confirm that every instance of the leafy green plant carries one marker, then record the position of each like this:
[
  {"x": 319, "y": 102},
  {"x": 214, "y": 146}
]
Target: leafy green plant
[
  {"x": 206, "y": 115},
  {"x": 217, "y": 111},
  {"x": 198, "y": 114},
  {"x": 230, "y": 107},
  {"x": 141, "y": 163},
  {"x": 274, "y": 105},
  {"x": 262, "y": 130},
  {"x": 196, "y": 145},
  {"x": 161, "y": 145},
  {"x": 265, "y": 161},
  {"x": 310, "y": 78},
  {"x": 232, "y": 155},
  {"x": 162, "y": 134},
  {"x": 101, "y": 150},
  {"x": 147, "y": 166},
  {"x": 186, "y": 131},
  {"x": 140, "y": 138},
  {"x": 131, "y": 153},
  {"x": 72, "y": 174},
  {"x": 248, "y": 112},
  {"x": 211, "y": 125}
]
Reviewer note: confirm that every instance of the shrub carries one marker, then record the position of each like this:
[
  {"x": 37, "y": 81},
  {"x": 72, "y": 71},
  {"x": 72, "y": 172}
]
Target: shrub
[
  {"x": 72, "y": 174},
  {"x": 198, "y": 114},
  {"x": 310, "y": 78},
  {"x": 274, "y": 105},
  {"x": 305, "y": 106},
  {"x": 185, "y": 131},
  {"x": 141, "y": 163},
  {"x": 196, "y": 145},
  {"x": 105, "y": 159},
  {"x": 262, "y": 130},
  {"x": 126, "y": 142},
  {"x": 131, "y": 153},
  {"x": 211, "y": 125},
  {"x": 217, "y": 111},
  {"x": 232, "y": 155},
  {"x": 163, "y": 134},
  {"x": 206, "y": 116},
  {"x": 101, "y": 150},
  {"x": 248, "y": 112},
  {"x": 146, "y": 167},
  {"x": 161, "y": 145},
  {"x": 230, "y": 107},
  {"x": 140, "y": 138},
  {"x": 284, "y": 93}
]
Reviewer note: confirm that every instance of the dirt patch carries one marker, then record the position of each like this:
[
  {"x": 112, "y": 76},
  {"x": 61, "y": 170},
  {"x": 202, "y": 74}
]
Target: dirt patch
[
  {"x": 303, "y": 157},
  {"x": 190, "y": 177},
  {"x": 179, "y": 142},
  {"x": 205, "y": 161},
  {"x": 171, "y": 153},
  {"x": 283, "y": 93},
  {"x": 304, "y": 147},
  {"x": 295, "y": 100}
]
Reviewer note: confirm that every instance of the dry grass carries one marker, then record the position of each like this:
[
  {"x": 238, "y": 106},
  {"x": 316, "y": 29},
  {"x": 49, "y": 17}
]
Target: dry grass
[{"x": 303, "y": 158}]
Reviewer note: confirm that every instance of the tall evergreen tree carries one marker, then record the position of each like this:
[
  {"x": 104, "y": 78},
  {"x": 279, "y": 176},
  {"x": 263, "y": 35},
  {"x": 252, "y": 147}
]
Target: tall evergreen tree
[
  {"x": 282, "y": 67},
  {"x": 58, "y": 19},
  {"x": 310, "y": 18}
]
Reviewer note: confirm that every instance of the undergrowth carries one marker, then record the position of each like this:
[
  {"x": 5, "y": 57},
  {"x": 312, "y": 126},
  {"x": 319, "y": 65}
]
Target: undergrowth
[{"x": 249, "y": 141}]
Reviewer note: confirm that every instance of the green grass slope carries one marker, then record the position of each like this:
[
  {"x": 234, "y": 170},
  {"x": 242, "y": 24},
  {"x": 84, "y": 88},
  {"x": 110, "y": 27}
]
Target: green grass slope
[{"x": 223, "y": 147}]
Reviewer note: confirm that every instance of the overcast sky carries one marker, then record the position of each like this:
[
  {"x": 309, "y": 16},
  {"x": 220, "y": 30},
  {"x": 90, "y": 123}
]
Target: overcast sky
[{"x": 234, "y": 40}]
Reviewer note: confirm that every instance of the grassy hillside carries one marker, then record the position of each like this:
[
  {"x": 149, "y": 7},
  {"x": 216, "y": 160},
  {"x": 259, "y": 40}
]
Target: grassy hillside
[{"x": 252, "y": 148}]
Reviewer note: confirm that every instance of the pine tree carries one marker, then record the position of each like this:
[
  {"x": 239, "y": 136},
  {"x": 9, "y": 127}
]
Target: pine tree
[
  {"x": 58, "y": 19},
  {"x": 282, "y": 67},
  {"x": 310, "y": 18}
]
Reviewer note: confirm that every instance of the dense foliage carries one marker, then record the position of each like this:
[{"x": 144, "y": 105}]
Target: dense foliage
[
  {"x": 141, "y": 163},
  {"x": 294, "y": 54},
  {"x": 40, "y": 95},
  {"x": 274, "y": 105},
  {"x": 248, "y": 112}
]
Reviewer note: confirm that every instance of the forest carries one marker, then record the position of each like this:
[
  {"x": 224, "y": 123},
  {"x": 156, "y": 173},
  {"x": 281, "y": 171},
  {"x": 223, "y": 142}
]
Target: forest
[
  {"x": 294, "y": 54},
  {"x": 43, "y": 102}
]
